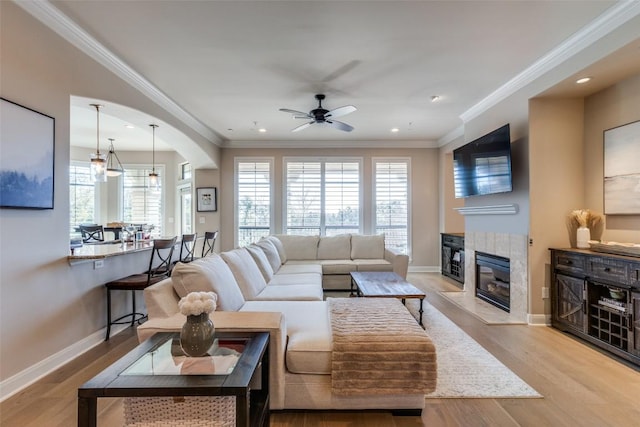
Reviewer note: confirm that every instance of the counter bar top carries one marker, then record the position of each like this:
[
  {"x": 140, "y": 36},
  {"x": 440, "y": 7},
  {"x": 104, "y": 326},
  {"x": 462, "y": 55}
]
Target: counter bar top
[{"x": 89, "y": 252}]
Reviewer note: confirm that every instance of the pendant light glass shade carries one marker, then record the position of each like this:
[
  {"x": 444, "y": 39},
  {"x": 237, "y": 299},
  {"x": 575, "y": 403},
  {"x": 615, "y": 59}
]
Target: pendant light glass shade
[
  {"x": 113, "y": 169},
  {"x": 154, "y": 179},
  {"x": 98, "y": 161}
]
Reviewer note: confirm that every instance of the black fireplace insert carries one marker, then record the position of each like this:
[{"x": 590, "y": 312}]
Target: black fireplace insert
[{"x": 492, "y": 280}]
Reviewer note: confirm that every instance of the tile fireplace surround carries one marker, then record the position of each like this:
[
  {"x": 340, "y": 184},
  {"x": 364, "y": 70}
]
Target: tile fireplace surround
[{"x": 512, "y": 246}]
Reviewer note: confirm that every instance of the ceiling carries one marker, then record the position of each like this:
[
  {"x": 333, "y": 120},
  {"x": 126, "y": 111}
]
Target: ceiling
[{"x": 231, "y": 65}]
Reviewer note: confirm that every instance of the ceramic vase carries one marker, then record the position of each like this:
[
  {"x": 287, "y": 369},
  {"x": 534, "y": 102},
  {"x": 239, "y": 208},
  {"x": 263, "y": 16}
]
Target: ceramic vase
[
  {"x": 197, "y": 335},
  {"x": 583, "y": 235}
]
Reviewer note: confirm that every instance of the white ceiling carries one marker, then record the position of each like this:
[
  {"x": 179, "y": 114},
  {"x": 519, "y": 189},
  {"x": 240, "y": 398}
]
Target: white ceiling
[{"x": 232, "y": 64}]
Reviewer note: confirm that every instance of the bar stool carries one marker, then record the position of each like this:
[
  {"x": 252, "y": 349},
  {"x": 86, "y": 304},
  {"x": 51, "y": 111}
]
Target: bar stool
[
  {"x": 209, "y": 242},
  {"x": 92, "y": 233},
  {"x": 187, "y": 249},
  {"x": 161, "y": 256}
]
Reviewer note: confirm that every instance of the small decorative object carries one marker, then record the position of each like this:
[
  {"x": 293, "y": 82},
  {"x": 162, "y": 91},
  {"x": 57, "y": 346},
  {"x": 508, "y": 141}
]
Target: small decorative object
[
  {"x": 197, "y": 334},
  {"x": 583, "y": 226}
]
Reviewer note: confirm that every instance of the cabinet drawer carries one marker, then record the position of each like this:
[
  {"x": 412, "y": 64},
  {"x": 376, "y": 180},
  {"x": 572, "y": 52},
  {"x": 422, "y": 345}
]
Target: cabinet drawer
[
  {"x": 450, "y": 240},
  {"x": 610, "y": 270},
  {"x": 634, "y": 276},
  {"x": 573, "y": 263}
]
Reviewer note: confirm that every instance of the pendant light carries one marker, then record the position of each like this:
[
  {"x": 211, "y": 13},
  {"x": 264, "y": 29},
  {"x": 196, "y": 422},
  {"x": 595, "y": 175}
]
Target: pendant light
[
  {"x": 117, "y": 169},
  {"x": 154, "y": 181},
  {"x": 98, "y": 162}
]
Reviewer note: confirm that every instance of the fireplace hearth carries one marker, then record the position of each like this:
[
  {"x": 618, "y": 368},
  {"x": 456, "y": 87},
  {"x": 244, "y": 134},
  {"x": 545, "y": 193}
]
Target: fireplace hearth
[{"x": 493, "y": 280}]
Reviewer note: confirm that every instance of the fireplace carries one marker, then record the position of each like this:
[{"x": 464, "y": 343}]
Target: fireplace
[{"x": 492, "y": 280}]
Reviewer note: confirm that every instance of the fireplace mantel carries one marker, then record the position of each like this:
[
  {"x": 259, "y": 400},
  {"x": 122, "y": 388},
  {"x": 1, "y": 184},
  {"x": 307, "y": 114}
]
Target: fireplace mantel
[{"x": 510, "y": 209}]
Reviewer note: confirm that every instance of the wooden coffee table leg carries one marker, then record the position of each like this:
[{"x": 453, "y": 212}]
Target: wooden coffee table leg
[{"x": 421, "y": 311}]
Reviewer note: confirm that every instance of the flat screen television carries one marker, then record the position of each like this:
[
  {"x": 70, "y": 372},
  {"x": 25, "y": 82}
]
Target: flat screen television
[{"x": 483, "y": 166}]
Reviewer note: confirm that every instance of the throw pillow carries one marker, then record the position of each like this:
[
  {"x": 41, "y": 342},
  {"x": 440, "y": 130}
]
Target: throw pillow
[
  {"x": 245, "y": 271},
  {"x": 209, "y": 274},
  {"x": 261, "y": 261},
  {"x": 279, "y": 247},
  {"x": 367, "y": 247},
  {"x": 271, "y": 253},
  {"x": 335, "y": 247}
]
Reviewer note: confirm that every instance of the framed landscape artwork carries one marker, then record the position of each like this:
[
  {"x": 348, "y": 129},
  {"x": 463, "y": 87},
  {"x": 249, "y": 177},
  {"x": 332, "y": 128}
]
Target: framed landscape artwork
[
  {"x": 622, "y": 170},
  {"x": 207, "y": 200},
  {"x": 27, "y": 140}
]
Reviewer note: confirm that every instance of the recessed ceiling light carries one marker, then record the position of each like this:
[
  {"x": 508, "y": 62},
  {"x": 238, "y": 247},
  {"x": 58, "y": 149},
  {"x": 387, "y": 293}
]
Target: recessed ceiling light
[
  {"x": 129, "y": 126},
  {"x": 583, "y": 80},
  {"x": 395, "y": 130},
  {"x": 435, "y": 98},
  {"x": 262, "y": 130}
]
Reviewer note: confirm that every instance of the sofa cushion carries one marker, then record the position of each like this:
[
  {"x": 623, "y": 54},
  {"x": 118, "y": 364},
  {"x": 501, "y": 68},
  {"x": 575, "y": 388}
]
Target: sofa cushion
[
  {"x": 299, "y": 247},
  {"x": 335, "y": 247},
  {"x": 279, "y": 247},
  {"x": 245, "y": 271},
  {"x": 308, "y": 331},
  {"x": 373, "y": 265},
  {"x": 367, "y": 247},
  {"x": 301, "y": 267},
  {"x": 290, "y": 293},
  {"x": 338, "y": 266},
  {"x": 309, "y": 279},
  {"x": 261, "y": 261},
  {"x": 271, "y": 253},
  {"x": 208, "y": 274}
]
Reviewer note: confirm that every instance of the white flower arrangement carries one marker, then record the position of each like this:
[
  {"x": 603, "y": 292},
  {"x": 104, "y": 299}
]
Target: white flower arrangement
[{"x": 196, "y": 303}]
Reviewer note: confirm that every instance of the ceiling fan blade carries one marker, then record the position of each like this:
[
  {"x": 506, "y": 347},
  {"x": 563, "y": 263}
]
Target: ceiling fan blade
[
  {"x": 294, "y": 112},
  {"x": 339, "y": 125},
  {"x": 304, "y": 126},
  {"x": 341, "y": 111}
]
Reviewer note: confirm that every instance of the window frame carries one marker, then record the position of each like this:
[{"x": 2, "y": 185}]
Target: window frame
[
  {"x": 236, "y": 188},
  {"x": 323, "y": 160},
  {"x": 161, "y": 171},
  {"x": 374, "y": 219}
]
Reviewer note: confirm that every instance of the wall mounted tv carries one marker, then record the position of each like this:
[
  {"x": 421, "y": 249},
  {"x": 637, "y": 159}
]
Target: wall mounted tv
[{"x": 483, "y": 166}]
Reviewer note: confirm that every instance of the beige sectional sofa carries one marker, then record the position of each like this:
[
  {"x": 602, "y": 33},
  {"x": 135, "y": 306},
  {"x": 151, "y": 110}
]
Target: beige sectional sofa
[
  {"x": 340, "y": 255},
  {"x": 265, "y": 287}
]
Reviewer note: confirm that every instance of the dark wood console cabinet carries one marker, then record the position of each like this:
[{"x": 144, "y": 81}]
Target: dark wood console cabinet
[
  {"x": 596, "y": 296},
  {"x": 453, "y": 256}
]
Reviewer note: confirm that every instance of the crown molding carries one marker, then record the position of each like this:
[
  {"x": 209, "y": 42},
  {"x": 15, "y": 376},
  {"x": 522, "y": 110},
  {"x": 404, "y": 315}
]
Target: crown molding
[
  {"x": 57, "y": 21},
  {"x": 330, "y": 144},
  {"x": 604, "y": 24},
  {"x": 451, "y": 136}
]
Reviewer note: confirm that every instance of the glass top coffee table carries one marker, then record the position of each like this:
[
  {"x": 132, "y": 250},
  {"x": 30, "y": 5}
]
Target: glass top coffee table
[
  {"x": 385, "y": 284},
  {"x": 236, "y": 365}
]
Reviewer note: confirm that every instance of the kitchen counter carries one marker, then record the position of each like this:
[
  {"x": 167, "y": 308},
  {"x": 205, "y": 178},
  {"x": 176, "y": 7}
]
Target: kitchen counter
[{"x": 92, "y": 252}]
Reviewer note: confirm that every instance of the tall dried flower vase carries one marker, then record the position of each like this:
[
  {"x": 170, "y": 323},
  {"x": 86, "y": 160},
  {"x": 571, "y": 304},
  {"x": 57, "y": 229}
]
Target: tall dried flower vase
[
  {"x": 583, "y": 235},
  {"x": 197, "y": 335}
]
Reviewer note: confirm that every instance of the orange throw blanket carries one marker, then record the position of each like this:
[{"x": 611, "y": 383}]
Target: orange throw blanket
[{"x": 379, "y": 348}]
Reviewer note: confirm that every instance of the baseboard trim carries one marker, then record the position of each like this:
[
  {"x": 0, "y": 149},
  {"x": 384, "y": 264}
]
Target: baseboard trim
[
  {"x": 539, "y": 319},
  {"x": 25, "y": 378},
  {"x": 423, "y": 269}
]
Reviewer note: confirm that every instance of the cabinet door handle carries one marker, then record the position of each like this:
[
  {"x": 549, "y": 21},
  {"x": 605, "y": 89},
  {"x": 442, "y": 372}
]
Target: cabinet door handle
[{"x": 607, "y": 270}]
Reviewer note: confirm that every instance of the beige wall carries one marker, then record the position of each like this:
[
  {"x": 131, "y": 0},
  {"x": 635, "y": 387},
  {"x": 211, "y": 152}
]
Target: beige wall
[
  {"x": 51, "y": 311},
  {"x": 612, "y": 107},
  {"x": 556, "y": 151},
  {"x": 424, "y": 193}
]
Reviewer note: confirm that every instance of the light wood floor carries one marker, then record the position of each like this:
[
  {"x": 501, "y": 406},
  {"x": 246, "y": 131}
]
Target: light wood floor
[{"x": 580, "y": 385}]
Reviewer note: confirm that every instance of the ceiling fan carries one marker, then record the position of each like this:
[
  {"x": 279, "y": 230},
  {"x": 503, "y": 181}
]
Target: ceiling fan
[{"x": 320, "y": 115}]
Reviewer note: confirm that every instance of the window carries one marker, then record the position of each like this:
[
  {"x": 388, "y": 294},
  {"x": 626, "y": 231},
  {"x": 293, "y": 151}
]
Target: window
[
  {"x": 141, "y": 204},
  {"x": 391, "y": 196},
  {"x": 253, "y": 199},
  {"x": 81, "y": 196},
  {"x": 323, "y": 196},
  {"x": 185, "y": 172}
]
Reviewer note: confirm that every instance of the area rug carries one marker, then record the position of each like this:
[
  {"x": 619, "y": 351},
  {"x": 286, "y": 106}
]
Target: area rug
[{"x": 465, "y": 368}]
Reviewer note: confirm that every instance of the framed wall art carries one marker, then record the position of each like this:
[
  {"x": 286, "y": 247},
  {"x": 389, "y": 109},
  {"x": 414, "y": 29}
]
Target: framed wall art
[
  {"x": 27, "y": 142},
  {"x": 622, "y": 170},
  {"x": 207, "y": 199}
]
